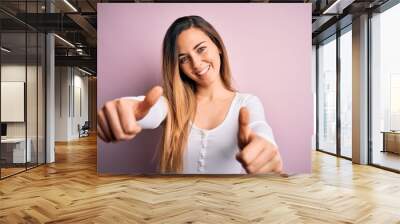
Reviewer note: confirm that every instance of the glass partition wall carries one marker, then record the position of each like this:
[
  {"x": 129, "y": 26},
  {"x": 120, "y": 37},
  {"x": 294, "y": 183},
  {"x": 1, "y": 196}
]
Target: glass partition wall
[
  {"x": 345, "y": 62},
  {"x": 13, "y": 89},
  {"x": 327, "y": 95},
  {"x": 334, "y": 98},
  {"x": 22, "y": 88},
  {"x": 385, "y": 89},
  {"x": 334, "y": 110}
]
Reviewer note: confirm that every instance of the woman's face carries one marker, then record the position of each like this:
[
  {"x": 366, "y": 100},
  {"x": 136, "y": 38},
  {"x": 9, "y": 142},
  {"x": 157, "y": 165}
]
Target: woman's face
[{"x": 199, "y": 57}]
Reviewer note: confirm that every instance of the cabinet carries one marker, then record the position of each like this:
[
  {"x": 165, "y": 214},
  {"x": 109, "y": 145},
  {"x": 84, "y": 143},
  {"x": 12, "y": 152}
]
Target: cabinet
[{"x": 391, "y": 142}]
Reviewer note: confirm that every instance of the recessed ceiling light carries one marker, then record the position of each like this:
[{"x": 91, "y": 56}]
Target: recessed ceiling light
[
  {"x": 5, "y": 50},
  {"x": 84, "y": 71},
  {"x": 337, "y": 7},
  {"x": 64, "y": 40},
  {"x": 70, "y": 5}
]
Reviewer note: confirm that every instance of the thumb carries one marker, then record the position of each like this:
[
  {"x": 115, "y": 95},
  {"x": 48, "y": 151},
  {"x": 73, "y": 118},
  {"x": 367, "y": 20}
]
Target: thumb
[
  {"x": 150, "y": 99},
  {"x": 244, "y": 129}
]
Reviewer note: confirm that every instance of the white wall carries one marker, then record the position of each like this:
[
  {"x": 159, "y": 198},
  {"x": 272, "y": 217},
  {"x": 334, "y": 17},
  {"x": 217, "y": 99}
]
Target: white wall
[
  {"x": 71, "y": 93},
  {"x": 62, "y": 81}
]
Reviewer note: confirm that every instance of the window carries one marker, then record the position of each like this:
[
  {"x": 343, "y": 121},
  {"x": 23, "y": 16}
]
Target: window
[
  {"x": 327, "y": 96},
  {"x": 22, "y": 65},
  {"x": 346, "y": 93},
  {"x": 385, "y": 88}
]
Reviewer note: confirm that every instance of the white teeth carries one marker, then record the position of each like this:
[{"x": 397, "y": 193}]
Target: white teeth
[{"x": 202, "y": 72}]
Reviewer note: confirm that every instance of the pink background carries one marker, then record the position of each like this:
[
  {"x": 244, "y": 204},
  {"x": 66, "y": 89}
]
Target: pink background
[{"x": 269, "y": 47}]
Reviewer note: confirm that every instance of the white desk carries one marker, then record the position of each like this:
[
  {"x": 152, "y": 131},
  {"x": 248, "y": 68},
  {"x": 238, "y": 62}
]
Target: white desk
[{"x": 18, "y": 150}]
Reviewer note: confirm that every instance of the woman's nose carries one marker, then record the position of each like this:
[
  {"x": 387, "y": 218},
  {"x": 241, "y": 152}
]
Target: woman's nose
[{"x": 196, "y": 63}]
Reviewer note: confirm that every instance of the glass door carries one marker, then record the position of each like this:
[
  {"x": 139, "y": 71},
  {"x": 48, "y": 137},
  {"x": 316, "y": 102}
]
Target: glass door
[
  {"x": 385, "y": 89},
  {"x": 22, "y": 77},
  {"x": 327, "y": 95},
  {"x": 346, "y": 92},
  {"x": 13, "y": 103}
]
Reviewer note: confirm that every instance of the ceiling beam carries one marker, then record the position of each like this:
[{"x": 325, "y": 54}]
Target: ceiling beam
[{"x": 83, "y": 61}]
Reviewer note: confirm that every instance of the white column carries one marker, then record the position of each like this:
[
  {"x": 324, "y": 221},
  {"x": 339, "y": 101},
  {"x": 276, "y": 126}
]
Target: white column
[
  {"x": 50, "y": 92},
  {"x": 50, "y": 99},
  {"x": 360, "y": 90}
]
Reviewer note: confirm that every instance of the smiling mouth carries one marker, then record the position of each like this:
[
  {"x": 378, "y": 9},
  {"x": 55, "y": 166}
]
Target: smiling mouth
[{"x": 203, "y": 71}]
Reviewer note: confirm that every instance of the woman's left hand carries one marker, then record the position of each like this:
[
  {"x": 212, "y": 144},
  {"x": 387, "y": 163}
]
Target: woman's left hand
[{"x": 257, "y": 155}]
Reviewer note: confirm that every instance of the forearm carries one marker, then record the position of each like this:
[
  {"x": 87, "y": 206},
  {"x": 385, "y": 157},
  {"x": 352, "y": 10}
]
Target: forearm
[
  {"x": 262, "y": 129},
  {"x": 155, "y": 116}
]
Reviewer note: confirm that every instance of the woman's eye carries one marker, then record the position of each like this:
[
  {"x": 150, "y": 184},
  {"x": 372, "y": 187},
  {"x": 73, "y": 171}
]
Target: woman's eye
[
  {"x": 183, "y": 60},
  {"x": 201, "y": 49}
]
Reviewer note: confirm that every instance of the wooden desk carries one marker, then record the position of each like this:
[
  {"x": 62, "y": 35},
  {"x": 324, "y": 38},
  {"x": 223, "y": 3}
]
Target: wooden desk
[
  {"x": 13, "y": 150},
  {"x": 391, "y": 141}
]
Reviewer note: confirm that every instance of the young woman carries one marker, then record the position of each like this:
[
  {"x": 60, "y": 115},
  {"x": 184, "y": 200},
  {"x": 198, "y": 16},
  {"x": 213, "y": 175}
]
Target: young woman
[{"x": 208, "y": 127}]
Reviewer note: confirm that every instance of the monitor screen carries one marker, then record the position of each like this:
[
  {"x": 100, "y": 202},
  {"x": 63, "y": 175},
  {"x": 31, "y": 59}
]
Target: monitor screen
[{"x": 3, "y": 129}]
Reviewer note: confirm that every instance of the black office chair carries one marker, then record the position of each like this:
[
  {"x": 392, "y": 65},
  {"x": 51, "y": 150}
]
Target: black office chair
[{"x": 84, "y": 130}]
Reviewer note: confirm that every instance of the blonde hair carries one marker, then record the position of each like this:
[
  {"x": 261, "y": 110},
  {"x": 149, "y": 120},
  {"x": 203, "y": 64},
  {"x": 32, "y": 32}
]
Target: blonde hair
[{"x": 180, "y": 90}]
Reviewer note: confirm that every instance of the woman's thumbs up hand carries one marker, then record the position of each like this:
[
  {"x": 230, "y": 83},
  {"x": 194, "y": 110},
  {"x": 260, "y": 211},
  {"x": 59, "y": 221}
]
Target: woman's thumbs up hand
[
  {"x": 117, "y": 119},
  {"x": 257, "y": 155}
]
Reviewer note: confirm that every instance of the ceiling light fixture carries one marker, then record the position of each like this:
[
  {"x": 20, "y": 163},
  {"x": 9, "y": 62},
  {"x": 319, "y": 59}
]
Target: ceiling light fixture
[
  {"x": 331, "y": 7},
  {"x": 5, "y": 50},
  {"x": 70, "y": 5},
  {"x": 86, "y": 72},
  {"x": 64, "y": 40},
  {"x": 337, "y": 7}
]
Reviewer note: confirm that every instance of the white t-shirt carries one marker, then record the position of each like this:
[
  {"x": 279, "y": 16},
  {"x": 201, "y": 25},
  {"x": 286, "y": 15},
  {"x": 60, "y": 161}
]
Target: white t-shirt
[{"x": 214, "y": 151}]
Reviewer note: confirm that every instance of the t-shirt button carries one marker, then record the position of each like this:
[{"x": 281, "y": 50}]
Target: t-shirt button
[
  {"x": 201, "y": 162},
  {"x": 203, "y": 154}
]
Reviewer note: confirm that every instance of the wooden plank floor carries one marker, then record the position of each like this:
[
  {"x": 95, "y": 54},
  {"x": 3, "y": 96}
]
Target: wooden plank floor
[{"x": 70, "y": 191}]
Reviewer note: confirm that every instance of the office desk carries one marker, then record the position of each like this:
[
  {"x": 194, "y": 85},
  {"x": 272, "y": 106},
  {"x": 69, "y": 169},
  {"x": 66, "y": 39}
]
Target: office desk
[
  {"x": 13, "y": 150},
  {"x": 391, "y": 141}
]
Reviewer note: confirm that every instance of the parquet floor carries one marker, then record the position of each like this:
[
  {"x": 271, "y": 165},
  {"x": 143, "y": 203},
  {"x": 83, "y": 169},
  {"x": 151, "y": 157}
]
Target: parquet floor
[
  {"x": 70, "y": 191},
  {"x": 10, "y": 171}
]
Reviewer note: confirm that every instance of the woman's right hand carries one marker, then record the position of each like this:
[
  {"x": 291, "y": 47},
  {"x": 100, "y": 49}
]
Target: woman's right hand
[{"x": 117, "y": 119}]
